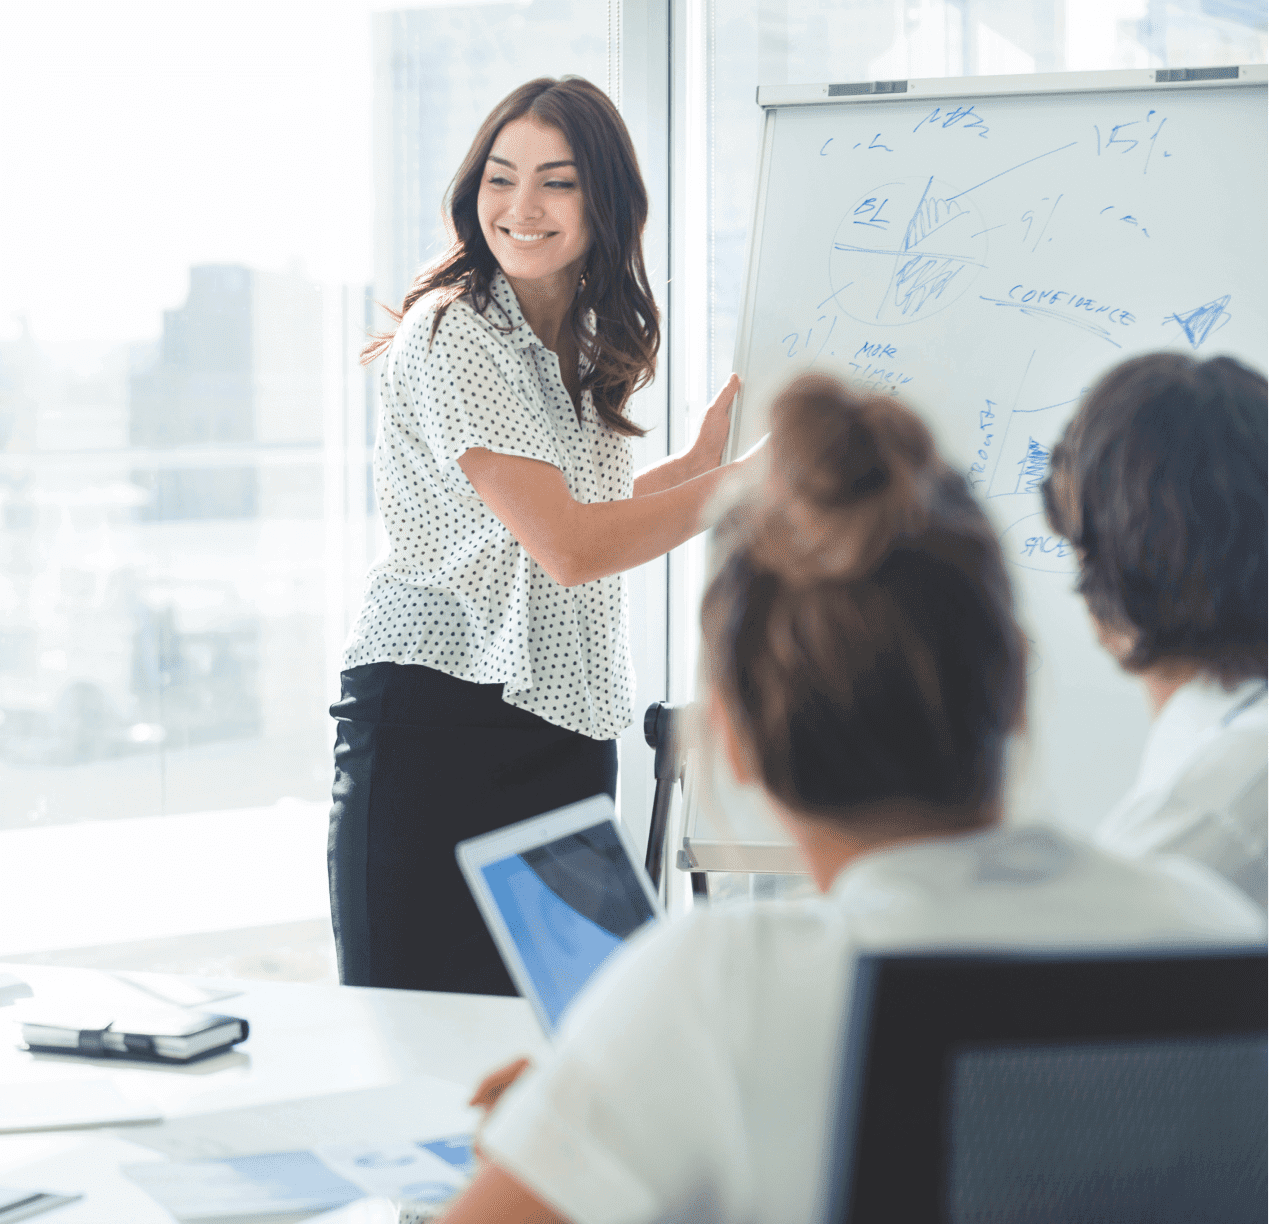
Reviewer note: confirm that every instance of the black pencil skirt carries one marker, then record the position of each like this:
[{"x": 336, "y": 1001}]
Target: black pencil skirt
[{"x": 423, "y": 761}]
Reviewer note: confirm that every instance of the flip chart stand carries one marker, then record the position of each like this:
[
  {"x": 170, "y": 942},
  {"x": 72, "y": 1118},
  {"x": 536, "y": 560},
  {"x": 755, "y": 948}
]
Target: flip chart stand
[
  {"x": 662, "y": 728},
  {"x": 985, "y": 248}
]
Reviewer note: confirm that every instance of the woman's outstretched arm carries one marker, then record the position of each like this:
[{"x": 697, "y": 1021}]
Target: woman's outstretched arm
[
  {"x": 703, "y": 456},
  {"x": 577, "y": 542}
]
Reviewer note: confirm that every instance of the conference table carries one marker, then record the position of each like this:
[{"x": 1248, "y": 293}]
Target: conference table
[{"x": 322, "y": 1064}]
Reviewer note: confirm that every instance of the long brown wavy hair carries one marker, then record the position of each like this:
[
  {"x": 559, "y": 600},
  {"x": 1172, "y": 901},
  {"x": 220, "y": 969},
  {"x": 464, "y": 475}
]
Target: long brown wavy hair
[{"x": 621, "y": 352}]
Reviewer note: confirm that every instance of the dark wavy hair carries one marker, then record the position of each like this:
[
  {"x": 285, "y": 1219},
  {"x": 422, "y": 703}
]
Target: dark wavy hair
[
  {"x": 861, "y": 629},
  {"x": 1160, "y": 483},
  {"x": 621, "y": 352}
]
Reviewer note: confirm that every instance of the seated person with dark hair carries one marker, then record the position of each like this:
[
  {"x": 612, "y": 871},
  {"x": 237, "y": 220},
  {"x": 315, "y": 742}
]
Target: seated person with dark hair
[
  {"x": 865, "y": 669},
  {"x": 1160, "y": 483}
]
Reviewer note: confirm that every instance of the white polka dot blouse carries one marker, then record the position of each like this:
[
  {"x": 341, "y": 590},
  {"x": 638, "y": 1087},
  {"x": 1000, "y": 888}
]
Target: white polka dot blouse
[{"x": 455, "y": 590}]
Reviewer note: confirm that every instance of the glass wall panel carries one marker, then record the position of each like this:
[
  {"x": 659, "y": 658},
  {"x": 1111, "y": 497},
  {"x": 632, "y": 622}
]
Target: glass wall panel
[
  {"x": 200, "y": 206},
  {"x": 774, "y": 42},
  {"x": 734, "y": 46},
  {"x": 439, "y": 70}
]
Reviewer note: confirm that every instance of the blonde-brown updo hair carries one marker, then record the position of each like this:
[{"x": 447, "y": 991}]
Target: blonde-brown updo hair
[{"x": 861, "y": 629}]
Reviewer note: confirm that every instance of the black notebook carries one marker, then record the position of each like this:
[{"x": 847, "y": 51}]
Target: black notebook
[{"x": 165, "y": 1034}]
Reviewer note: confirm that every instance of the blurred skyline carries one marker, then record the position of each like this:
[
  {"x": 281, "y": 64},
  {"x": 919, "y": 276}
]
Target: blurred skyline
[{"x": 144, "y": 137}]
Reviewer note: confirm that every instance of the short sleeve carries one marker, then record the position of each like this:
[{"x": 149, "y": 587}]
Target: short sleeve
[
  {"x": 634, "y": 1113},
  {"x": 463, "y": 393}
]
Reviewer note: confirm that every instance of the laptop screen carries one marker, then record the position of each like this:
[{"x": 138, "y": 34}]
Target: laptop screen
[{"x": 568, "y": 905}]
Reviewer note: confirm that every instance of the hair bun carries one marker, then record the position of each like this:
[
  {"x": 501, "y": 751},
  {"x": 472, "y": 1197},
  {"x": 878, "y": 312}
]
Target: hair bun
[{"x": 849, "y": 476}]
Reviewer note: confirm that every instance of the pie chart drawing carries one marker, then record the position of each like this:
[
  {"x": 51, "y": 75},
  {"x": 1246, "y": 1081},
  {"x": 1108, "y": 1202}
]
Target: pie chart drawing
[{"x": 906, "y": 250}]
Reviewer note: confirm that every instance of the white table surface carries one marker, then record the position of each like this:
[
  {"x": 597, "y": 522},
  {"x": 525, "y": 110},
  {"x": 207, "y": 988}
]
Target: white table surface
[{"x": 322, "y": 1064}]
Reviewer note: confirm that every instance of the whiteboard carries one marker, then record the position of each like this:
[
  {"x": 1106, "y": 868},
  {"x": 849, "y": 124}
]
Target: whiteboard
[{"x": 985, "y": 249}]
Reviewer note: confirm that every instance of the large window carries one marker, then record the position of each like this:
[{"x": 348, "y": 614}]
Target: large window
[
  {"x": 727, "y": 48},
  {"x": 746, "y": 43},
  {"x": 201, "y": 205}
]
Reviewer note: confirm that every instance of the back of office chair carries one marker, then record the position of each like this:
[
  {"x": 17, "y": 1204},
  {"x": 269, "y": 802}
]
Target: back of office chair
[{"x": 1044, "y": 1089}]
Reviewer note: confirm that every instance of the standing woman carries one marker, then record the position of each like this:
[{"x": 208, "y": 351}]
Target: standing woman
[{"x": 489, "y": 673}]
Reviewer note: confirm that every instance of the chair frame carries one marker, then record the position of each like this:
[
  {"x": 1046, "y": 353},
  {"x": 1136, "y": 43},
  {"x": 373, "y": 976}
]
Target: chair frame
[{"x": 910, "y": 1014}]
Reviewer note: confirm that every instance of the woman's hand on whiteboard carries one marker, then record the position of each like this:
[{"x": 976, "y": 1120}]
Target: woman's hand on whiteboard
[
  {"x": 702, "y": 457},
  {"x": 707, "y": 451}
]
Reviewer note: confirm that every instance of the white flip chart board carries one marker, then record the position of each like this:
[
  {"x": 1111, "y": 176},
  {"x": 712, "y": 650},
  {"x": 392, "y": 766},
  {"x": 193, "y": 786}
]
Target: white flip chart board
[{"x": 985, "y": 248}]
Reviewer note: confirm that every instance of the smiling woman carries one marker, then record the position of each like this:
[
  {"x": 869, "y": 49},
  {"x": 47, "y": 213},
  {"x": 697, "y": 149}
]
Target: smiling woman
[
  {"x": 489, "y": 673},
  {"x": 533, "y": 217}
]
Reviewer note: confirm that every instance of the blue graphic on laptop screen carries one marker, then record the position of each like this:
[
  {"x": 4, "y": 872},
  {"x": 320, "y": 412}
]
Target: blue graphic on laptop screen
[{"x": 568, "y": 905}]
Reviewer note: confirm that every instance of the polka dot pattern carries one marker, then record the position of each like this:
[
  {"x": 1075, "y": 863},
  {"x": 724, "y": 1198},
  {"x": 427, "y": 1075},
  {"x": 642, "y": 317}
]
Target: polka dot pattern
[{"x": 456, "y": 591}]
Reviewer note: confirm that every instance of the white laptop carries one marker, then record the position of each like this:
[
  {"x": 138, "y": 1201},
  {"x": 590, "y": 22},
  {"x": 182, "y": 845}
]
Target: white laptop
[{"x": 560, "y": 893}]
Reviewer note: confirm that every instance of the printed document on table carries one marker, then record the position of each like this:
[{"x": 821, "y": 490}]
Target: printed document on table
[{"x": 331, "y": 1176}]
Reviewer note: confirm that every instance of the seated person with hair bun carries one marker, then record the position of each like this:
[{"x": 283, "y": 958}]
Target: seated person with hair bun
[
  {"x": 863, "y": 667},
  {"x": 1160, "y": 484}
]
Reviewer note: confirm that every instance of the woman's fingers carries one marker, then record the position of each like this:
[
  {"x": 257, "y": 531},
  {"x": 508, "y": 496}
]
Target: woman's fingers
[
  {"x": 497, "y": 1082},
  {"x": 712, "y": 436},
  {"x": 721, "y": 406},
  {"x": 728, "y": 393}
]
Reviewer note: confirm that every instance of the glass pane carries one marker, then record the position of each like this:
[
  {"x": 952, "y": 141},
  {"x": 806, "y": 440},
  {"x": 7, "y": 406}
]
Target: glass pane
[
  {"x": 748, "y": 43},
  {"x": 438, "y": 72},
  {"x": 775, "y": 42},
  {"x": 208, "y": 202}
]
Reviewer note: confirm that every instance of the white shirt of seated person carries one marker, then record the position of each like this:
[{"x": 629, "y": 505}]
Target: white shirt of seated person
[
  {"x": 1201, "y": 790},
  {"x": 692, "y": 1079}
]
